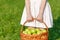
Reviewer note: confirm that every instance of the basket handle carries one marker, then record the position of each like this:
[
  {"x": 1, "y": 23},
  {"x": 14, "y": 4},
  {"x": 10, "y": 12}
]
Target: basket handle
[{"x": 34, "y": 18}]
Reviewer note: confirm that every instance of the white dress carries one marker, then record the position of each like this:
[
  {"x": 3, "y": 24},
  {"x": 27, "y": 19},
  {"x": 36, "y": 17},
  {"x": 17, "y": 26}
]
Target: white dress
[{"x": 47, "y": 15}]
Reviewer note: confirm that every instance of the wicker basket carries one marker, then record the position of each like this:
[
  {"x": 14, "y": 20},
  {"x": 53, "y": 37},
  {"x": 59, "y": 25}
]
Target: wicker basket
[{"x": 43, "y": 36}]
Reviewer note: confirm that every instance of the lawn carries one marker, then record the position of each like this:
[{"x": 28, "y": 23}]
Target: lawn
[{"x": 10, "y": 16}]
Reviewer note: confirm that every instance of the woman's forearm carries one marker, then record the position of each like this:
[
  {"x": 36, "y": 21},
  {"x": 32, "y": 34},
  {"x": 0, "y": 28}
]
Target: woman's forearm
[
  {"x": 42, "y": 6},
  {"x": 27, "y": 3}
]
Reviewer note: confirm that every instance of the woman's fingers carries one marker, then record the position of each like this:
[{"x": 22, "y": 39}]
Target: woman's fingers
[
  {"x": 30, "y": 18},
  {"x": 40, "y": 19}
]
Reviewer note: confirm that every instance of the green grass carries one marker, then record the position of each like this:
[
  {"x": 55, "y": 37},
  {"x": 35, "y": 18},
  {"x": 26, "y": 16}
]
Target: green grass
[{"x": 10, "y": 16}]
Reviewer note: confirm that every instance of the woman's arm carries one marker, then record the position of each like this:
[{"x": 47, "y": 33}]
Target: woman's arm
[
  {"x": 41, "y": 10},
  {"x": 42, "y": 6},
  {"x": 28, "y": 10}
]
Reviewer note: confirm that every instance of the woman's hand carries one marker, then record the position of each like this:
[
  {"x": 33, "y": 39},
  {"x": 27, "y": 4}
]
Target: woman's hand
[
  {"x": 28, "y": 10},
  {"x": 29, "y": 18},
  {"x": 39, "y": 18}
]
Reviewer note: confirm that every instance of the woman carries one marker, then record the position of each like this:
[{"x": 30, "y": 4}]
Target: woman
[{"x": 36, "y": 12}]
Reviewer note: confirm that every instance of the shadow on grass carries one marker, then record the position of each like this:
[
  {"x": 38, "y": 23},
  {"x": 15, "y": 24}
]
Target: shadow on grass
[{"x": 54, "y": 33}]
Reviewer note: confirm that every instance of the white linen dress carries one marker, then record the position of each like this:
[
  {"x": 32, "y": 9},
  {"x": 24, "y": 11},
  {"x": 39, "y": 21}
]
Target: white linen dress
[{"x": 47, "y": 15}]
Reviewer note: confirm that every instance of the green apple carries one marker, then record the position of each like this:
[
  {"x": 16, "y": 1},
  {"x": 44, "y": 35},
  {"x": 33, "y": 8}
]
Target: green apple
[
  {"x": 26, "y": 29},
  {"x": 32, "y": 31},
  {"x": 39, "y": 32},
  {"x": 44, "y": 31},
  {"x": 24, "y": 32},
  {"x": 29, "y": 32}
]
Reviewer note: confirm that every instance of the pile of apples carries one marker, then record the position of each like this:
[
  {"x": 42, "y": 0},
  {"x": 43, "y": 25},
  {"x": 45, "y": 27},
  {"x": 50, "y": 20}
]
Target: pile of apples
[{"x": 32, "y": 31}]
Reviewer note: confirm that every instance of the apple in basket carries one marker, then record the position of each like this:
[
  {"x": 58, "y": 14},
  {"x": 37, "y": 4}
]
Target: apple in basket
[
  {"x": 27, "y": 31},
  {"x": 24, "y": 32},
  {"x": 38, "y": 31},
  {"x": 44, "y": 31},
  {"x": 32, "y": 31},
  {"x": 35, "y": 31}
]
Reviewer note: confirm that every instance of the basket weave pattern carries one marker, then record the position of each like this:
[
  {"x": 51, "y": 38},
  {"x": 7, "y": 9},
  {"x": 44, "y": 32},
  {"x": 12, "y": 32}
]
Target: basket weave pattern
[{"x": 34, "y": 37}]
